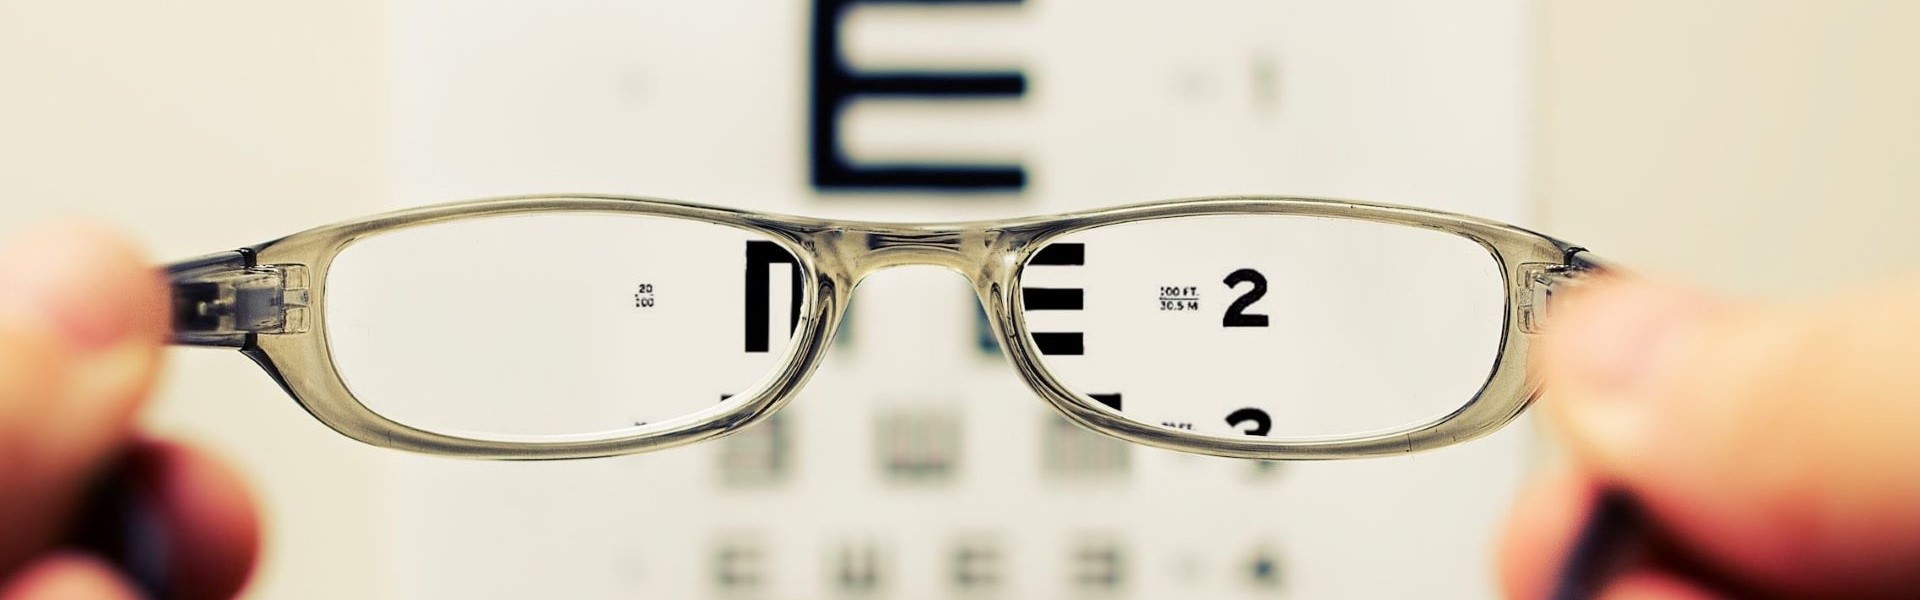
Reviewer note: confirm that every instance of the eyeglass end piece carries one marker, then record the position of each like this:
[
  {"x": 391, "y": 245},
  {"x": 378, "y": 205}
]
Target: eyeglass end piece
[
  {"x": 221, "y": 300},
  {"x": 1542, "y": 280}
]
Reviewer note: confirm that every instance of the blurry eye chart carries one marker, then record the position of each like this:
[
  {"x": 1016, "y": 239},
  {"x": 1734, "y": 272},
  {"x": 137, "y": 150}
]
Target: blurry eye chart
[{"x": 916, "y": 464}]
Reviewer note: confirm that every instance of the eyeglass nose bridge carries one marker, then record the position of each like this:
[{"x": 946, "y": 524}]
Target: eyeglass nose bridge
[{"x": 977, "y": 252}]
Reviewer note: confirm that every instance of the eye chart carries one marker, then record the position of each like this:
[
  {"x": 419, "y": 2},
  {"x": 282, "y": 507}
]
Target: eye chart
[{"x": 916, "y": 464}]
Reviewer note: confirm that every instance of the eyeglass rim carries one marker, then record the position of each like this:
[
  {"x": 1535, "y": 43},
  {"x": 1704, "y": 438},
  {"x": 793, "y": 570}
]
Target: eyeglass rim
[{"x": 302, "y": 362}]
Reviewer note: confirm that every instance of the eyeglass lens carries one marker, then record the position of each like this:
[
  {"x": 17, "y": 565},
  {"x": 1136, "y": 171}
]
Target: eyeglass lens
[
  {"x": 582, "y": 325},
  {"x": 1276, "y": 326}
]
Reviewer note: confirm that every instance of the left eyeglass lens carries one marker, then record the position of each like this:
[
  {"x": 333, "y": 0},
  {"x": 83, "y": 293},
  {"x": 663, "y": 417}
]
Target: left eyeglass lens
[{"x": 561, "y": 325}]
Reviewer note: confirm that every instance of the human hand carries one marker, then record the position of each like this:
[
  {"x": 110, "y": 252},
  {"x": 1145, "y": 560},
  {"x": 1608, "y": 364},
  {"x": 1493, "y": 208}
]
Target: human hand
[
  {"x": 83, "y": 321},
  {"x": 1774, "y": 451}
]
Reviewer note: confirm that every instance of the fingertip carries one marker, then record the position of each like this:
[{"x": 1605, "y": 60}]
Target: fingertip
[
  {"x": 68, "y": 576},
  {"x": 82, "y": 299},
  {"x": 212, "y": 525},
  {"x": 1765, "y": 443},
  {"x": 1540, "y": 531},
  {"x": 88, "y": 281},
  {"x": 1604, "y": 335},
  {"x": 1611, "y": 348},
  {"x": 82, "y": 319},
  {"x": 1654, "y": 584}
]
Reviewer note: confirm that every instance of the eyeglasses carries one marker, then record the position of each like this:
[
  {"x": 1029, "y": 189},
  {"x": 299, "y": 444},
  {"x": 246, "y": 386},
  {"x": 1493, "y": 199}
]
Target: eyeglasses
[{"x": 565, "y": 327}]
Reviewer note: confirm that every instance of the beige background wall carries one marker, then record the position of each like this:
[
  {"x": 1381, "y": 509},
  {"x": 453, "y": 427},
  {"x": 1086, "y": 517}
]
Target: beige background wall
[
  {"x": 1764, "y": 146},
  {"x": 1757, "y": 146}
]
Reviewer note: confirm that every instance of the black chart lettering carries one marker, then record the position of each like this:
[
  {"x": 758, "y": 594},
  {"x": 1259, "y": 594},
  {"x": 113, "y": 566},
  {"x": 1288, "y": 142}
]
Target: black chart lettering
[
  {"x": 1060, "y": 255},
  {"x": 1039, "y": 298},
  {"x": 760, "y": 255},
  {"x": 859, "y": 568},
  {"x": 835, "y": 85},
  {"x": 1235, "y": 316},
  {"x": 1261, "y": 422},
  {"x": 1057, "y": 343}
]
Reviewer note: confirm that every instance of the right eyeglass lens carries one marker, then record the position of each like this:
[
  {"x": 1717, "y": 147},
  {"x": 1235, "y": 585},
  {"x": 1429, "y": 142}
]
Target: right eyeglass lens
[
  {"x": 1278, "y": 326},
  {"x": 573, "y": 325}
]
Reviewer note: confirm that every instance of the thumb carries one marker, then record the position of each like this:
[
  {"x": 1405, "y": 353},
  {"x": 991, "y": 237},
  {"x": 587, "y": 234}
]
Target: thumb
[
  {"x": 82, "y": 322},
  {"x": 1775, "y": 445}
]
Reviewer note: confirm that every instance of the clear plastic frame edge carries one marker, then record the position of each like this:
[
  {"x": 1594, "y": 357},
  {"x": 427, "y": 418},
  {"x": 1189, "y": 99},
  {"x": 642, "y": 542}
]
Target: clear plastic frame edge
[{"x": 269, "y": 301}]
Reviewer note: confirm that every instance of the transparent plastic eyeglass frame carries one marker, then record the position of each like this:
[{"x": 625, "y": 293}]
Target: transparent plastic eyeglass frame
[{"x": 268, "y": 301}]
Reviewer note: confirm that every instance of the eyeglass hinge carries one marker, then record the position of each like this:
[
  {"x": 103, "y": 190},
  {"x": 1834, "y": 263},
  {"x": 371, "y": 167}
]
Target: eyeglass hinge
[
  {"x": 1543, "y": 280},
  {"x": 223, "y": 299}
]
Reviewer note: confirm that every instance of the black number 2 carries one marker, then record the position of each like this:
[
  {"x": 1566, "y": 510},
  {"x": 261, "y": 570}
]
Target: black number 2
[{"x": 1236, "y": 317}]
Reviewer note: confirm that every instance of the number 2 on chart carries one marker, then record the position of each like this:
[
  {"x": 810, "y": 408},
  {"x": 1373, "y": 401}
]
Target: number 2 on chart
[{"x": 1236, "y": 315}]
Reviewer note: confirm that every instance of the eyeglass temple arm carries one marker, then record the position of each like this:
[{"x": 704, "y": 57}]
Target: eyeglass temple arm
[
  {"x": 225, "y": 299},
  {"x": 1581, "y": 267}
]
